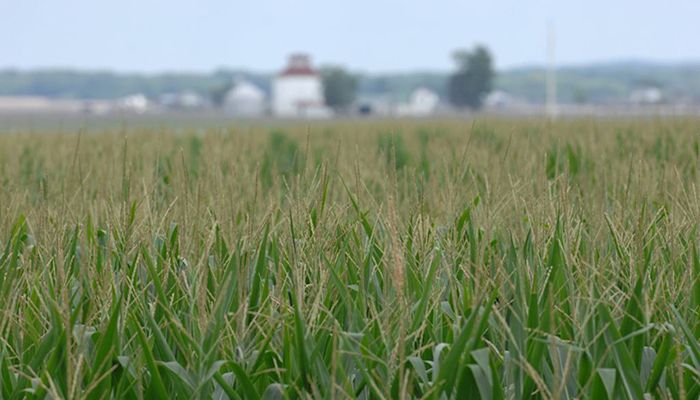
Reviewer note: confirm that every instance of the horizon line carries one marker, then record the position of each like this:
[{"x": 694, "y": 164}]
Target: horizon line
[{"x": 417, "y": 70}]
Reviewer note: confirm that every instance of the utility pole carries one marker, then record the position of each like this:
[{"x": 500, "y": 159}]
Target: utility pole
[{"x": 551, "y": 102}]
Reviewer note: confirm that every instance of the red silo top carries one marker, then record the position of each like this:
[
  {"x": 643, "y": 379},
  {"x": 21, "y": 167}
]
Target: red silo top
[{"x": 298, "y": 65}]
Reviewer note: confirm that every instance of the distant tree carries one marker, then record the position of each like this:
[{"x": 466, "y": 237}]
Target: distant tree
[
  {"x": 473, "y": 78},
  {"x": 379, "y": 85},
  {"x": 339, "y": 88},
  {"x": 579, "y": 96},
  {"x": 218, "y": 93}
]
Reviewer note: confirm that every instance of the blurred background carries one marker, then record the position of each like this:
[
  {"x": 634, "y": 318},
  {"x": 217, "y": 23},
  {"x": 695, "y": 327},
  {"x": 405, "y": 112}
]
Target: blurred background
[{"x": 219, "y": 60}]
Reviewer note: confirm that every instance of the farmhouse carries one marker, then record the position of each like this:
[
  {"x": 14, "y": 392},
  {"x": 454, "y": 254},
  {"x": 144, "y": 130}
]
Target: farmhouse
[
  {"x": 298, "y": 91},
  {"x": 422, "y": 102},
  {"x": 245, "y": 100}
]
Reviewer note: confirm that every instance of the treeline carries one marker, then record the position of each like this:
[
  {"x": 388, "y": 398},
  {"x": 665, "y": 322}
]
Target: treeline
[
  {"x": 582, "y": 84},
  {"x": 63, "y": 83}
]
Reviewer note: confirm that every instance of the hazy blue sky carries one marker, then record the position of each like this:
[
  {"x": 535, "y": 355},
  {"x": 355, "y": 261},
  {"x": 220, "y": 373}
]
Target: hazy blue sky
[{"x": 371, "y": 35}]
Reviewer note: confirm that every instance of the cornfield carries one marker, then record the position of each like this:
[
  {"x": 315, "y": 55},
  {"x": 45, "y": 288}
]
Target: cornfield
[{"x": 493, "y": 259}]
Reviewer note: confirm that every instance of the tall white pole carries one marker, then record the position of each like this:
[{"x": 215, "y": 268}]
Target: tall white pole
[{"x": 551, "y": 103}]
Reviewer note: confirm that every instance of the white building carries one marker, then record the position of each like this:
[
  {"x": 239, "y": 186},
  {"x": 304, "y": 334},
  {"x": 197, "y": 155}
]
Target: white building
[
  {"x": 136, "y": 103},
  {"x": 185, "y": 100},
  {"x": 245, "y": 100},
  {"x": 498, "y": 99},
  {"x": 423, "y": 102},
  {"x": 648, "y": 95},
  {"x": 298, "y": 91}
]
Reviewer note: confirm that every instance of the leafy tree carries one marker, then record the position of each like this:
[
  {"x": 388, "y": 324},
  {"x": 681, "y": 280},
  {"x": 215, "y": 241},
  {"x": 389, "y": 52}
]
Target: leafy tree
[
  {"x": 473, "y": 78},
  {"x": 579, "y": 96},
  {"x": 339, "y": 88}
]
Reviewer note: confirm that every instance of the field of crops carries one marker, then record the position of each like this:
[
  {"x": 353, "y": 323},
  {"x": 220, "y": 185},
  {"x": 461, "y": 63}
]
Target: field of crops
[{"x": 496, "y": 259}]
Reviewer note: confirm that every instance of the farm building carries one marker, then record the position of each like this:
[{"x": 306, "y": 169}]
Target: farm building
[
  {"x": 422, "y": 102},
  {"x": 245, "y": 100},
  {"x": 298, "y": 90},
  {"x": 498, "y": 99},
  {"x": 647, "y": 95},
  {"x": 186, "y": 100},
  {"x": 136, "y": 103}
]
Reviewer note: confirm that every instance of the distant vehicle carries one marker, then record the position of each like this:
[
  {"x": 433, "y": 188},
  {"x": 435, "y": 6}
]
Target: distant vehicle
[{"x": 365, "y": 109}]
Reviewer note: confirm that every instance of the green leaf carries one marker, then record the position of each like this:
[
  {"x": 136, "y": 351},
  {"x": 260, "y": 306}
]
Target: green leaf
[
  {"x": 623, "y": 360},
  {"x": 604, "y": 384}
]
